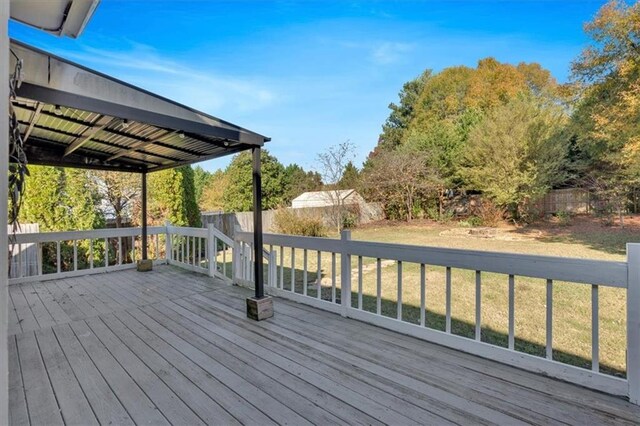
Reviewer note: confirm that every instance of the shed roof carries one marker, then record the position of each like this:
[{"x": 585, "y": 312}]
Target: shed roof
[
  {"x": 73, "y": 116},
  {"x": 324, "y": 196}
]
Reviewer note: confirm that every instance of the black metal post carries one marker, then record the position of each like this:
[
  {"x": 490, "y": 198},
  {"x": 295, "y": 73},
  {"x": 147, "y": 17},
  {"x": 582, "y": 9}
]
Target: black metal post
[
  {"x": 257, "y": 222},
  {"x": 144, "y": 216}
]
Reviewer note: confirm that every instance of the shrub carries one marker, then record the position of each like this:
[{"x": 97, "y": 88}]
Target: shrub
[
  {"x": 473, "y": 222},
  {"x": 490, "y": 214},
  {"x": 288, "y": 222},
  {"x": 564, "y": 218},
  {"x": 349, "y": 220}
]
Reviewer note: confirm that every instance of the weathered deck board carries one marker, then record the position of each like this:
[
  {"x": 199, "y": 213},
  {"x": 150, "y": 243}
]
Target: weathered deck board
[
  {"x": 170, "y": 346},
  {"x": 471, "y": 386}
]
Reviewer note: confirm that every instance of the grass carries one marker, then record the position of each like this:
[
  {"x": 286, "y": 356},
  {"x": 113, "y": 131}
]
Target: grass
[{"x": 571, "y": 302}]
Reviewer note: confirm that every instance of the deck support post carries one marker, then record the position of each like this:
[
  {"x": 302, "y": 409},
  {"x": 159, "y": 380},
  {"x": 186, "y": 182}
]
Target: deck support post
[
  {"x": 259, "y": 307},
  {"x": 4, "y": 248},
  {"x": 144, "y": 264},
  {"x": 633, "y": 322},
  {"x": 345, "y": 273}
]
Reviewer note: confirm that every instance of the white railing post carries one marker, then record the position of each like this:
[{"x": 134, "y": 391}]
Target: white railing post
[
  {"x": 273, "y": 268},
  {"x": 211, "y": 248},
  {"x": 236, "y": 261},
  {"x": 633, "y": 322},
  {"x": 345, "y": 272},
  {"x": 168, "y": 249}
]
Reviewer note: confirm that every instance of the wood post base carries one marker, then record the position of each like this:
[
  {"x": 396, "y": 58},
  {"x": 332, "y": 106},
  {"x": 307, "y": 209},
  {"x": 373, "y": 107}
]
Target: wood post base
[
  {"x": 145, "y": 265},
  {"x": 259, "y": 309}
]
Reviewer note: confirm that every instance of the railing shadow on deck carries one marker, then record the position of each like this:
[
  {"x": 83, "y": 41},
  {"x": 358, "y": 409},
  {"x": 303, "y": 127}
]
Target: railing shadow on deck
[{"x": 435, "y": 320}]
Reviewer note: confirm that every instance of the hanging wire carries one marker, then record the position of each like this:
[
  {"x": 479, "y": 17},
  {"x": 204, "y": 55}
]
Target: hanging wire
[{"x": 18, "y": 171}]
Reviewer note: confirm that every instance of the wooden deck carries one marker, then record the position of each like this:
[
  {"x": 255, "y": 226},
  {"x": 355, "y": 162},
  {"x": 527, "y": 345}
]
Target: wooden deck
[{"x": 170, "y": 346}]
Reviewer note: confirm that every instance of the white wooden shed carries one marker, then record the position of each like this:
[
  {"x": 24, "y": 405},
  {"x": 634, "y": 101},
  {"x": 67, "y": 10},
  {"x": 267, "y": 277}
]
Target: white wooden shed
[{"x": 330, "y": 198}]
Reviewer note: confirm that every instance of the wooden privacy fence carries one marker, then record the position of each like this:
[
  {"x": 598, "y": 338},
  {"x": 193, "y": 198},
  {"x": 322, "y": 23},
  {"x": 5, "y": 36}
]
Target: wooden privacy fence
[
  {"x": 340, "y": 290},
  {"x": 572, "y": 200}
]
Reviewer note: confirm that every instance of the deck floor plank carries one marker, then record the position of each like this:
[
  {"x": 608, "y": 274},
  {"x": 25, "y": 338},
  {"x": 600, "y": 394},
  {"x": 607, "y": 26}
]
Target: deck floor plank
[
  {"x": 40, "y": 312},
  {"x": 18, "y": 415},
  {"x": 41, "y": 400},
  {"x": 172, "y": 407},
  {"x": 105, "y": 403},
  {"x": 205, "y": 406},
  {"x": 52, "y": 306},
  {"x": 14, "y": 322},
  {"x": 172, "y": 346},
  {"x": 439, "y": 401},
  {"x": 25, "y": 316},
  {"x": 277, "y": 382},
  {"x": 74, "y": 407},
  {"x": 239, "y": 408},
  {"x": 468, "y": 384},
  {"x": 274, "y": 409},
  {"x": 315, "y": 373},
  {"x": 138, "y": 404}
]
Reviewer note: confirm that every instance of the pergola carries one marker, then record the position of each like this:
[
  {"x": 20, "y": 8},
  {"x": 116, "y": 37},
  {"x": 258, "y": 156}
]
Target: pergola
[{"x": 72, "y": 116}]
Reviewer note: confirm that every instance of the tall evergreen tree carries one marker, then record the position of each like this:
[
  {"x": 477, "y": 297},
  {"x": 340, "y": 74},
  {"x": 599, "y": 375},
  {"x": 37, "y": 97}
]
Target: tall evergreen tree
[
  {"x": 172, "y": 197},
  {"x": 238, "y": 194}
]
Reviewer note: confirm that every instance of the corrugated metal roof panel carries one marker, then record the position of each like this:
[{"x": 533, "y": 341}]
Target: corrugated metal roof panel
[{"x": 74, "y": 124}]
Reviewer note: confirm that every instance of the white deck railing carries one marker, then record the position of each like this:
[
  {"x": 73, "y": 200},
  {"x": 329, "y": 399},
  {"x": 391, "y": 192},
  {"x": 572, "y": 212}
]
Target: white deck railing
[
  {"x": 291, "y": 280},
  {"x": 75, "y": 253},
  {"x": 208, "y": 251}
]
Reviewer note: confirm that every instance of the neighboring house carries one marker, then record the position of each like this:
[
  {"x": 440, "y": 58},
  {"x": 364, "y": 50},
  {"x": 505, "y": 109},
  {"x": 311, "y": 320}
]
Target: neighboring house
[{"x": 344, "y": 197}]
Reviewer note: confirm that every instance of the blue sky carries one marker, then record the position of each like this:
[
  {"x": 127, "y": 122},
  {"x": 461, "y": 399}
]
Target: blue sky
[{"x": 311, "y": 74}]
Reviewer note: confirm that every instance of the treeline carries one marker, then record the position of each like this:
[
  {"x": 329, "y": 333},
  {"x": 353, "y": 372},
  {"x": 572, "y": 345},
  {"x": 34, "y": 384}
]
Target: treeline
[
  {"x": 60, "y": 199},
  {"x": 513, "y": 133},
  {"x": 231, "y": 189}
]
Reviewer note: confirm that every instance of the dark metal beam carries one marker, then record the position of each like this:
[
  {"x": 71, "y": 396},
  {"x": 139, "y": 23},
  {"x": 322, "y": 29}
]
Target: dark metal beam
[
  {"x": 257, "y": 224},
  {"x": 235, "y": 150},
  {"x": 223, "y": 143},
  {"x": 109, "y": 144},
  {"x": 141, "y": 144},
  {"x": 96, "y": 127},
  {"x": 144, "y": 215},
  {"x": 32, "y": 122},
  {"x": 57, "y": 97},
  {"x": 49, "y": 153}
]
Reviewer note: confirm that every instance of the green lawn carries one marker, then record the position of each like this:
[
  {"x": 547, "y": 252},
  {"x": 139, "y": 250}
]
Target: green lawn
[{"x": 571, "y": 302}]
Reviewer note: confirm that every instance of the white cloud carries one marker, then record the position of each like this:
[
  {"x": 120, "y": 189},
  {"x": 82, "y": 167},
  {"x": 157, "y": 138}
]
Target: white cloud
[
  {"x": 389, "y": 52},
  {"x": 207, "y": 90}
]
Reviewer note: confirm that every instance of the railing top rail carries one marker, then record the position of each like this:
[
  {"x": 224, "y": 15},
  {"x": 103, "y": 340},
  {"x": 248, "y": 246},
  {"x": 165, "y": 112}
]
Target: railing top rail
[
  {"x": 187, "y": 231},
  {"x": 222, "y": 236},
  {"x": 44, "y": 237},
  {"x": 588, "y": 271},
  {"x": 600, "y": 272},
  {"x": 310, "y": 243}
]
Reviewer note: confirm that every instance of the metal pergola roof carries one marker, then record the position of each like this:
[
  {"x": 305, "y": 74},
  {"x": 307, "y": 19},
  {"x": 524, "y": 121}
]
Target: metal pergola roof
[{"x": 72, "y": 116}]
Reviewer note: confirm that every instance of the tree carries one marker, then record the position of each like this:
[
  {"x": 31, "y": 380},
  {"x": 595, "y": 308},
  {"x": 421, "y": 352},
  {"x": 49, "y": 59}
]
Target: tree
[
  {"x": 350, "y": 177},
  {"x": 172, "y": 197},
  {"x": 44, "y": 190},
  {"x": 438, "y": 111},
  {"x": 399, "y": 179},
  {"x": 200, "y": 179},
  {"x": 402, "y": 113},
  {"x": 119, "y": 191},
  {"x": 82, "y": 200},
  {"x": 238, "y": 194},
  {"x": 607, "y": 117},
  {"x": 332, "y": 164},
  {"x": 60, "y": 200},
  {"x": 212, "y": 193},
  {"x": 517, "y": 153},
  {"x": 298, "y": 181}
]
